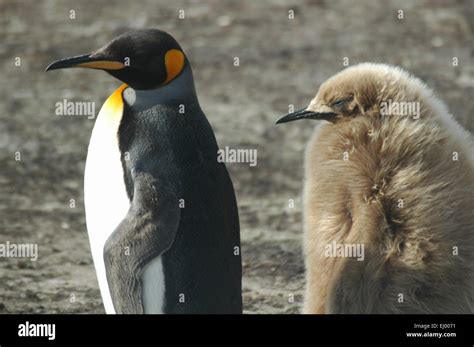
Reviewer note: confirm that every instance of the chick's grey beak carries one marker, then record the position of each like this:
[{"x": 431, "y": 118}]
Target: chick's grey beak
[{"x": 305, "y": 114}]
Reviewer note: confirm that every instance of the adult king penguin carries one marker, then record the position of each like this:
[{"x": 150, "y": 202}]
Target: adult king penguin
[{"x": 161, "y": 211}]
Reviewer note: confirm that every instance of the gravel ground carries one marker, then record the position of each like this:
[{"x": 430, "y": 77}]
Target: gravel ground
[{"x": 282, "y": 62}]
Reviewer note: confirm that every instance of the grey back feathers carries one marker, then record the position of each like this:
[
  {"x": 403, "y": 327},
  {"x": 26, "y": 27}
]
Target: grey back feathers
[{"x": 185, "y": 212}]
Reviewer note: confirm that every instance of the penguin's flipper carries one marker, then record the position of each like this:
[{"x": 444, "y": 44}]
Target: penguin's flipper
[{"x": 146, "y": 232}]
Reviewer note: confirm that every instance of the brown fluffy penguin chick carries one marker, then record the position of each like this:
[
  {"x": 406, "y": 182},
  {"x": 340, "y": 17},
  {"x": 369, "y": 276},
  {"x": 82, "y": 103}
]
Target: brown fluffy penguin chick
[{"x": 389, "y": 204}]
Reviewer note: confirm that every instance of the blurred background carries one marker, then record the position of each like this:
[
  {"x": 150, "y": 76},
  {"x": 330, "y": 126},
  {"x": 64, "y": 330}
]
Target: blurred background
[{"x": 282, "y": 62}]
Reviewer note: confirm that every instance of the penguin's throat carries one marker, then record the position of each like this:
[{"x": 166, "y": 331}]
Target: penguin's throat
[{"x": 178, "y": 91}]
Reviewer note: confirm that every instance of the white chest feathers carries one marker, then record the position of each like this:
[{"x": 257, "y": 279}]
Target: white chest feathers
[
  {"x": 106, "y": 200},
  {"x": 107, "y": 203}
]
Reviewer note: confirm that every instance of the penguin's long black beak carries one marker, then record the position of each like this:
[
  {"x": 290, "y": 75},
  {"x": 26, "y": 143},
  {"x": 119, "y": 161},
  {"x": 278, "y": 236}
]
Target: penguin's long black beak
[
  {"x": 89, "y": 60},
  {"x": 305, "y": 114}
]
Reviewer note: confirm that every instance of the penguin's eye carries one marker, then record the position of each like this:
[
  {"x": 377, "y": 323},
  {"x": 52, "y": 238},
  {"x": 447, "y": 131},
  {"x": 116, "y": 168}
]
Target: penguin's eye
[{"x": 339, "y": 102}]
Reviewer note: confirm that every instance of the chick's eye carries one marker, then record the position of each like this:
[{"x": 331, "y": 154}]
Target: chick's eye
[{"x": 339, "y": 102}]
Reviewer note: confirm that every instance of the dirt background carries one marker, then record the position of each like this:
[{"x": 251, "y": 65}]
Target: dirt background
[{"x": 282, "y": 62}]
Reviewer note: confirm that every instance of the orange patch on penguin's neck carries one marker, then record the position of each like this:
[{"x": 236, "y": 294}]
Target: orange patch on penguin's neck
[
  {"x": 115, "y": 100},
  {"x": 174, "y": 62}
]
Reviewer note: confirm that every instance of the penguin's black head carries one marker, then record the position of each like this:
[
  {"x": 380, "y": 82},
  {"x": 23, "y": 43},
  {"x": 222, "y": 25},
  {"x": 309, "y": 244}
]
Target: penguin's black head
[{"x": 143, "y": 59}]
